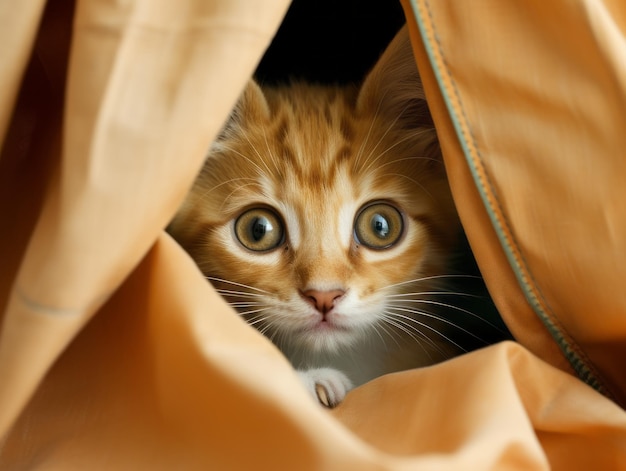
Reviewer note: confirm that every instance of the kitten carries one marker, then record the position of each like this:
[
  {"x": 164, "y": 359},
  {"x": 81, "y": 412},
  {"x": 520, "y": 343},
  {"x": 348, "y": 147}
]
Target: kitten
[{"x": 323, "y": 215}]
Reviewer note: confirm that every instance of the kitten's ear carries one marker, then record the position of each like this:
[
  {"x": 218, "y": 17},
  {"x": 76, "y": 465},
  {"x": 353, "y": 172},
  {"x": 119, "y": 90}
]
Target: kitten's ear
[
  {"x": 394, "y": 88},
  {"x": 252, "y": 103},
  {"x": 252, "y": 107}
]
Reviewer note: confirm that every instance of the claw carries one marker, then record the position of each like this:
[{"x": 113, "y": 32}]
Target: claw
[{"x": 322, "y": 395}]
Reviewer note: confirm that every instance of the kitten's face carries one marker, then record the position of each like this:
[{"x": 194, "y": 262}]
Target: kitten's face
[{"x": 315, "y": 206}]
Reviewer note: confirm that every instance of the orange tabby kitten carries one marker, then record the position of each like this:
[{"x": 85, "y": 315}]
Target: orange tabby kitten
[{"x": 323, "y": 215}]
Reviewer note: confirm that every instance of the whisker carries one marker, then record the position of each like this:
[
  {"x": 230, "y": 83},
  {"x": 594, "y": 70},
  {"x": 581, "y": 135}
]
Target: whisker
[
  {"x": 239, "y": 188},
  {"x": 253, "y": 311},
  {"x": 269, "y": 172},
  {"x": 396, "y": 143},
  {"x": 369, "y": 131},
  {"x": 280, "y": 338},
  {"x": 248, "y": 159},
  {"x": 389, "y": 128},
  {"x": 433, "y": 316},
  {"x": 243, "y": 294},
  {"x": 272, "y": 157},
  {"x": 269, "y": 326},
  {"x": 391, "y": 162},
  {"x": 398, "y": 325},
  {"x": 432, "y": 293},
  {"x": 380, "y": 323},
  {"x": 422, "y": 324},
  {"x": 427, "y": 278},
  {"x": 412, "y": 180},
  {"x": 213, "y": 278},
  {"x": 391, "y": 319},
  {"x": 232, "y": 180},
  {"x": 452, "y": 306},
  {"x": 258, "y": 320},
  {"x": 244, "y": 304},
  {"x": 265, "y": 328}
]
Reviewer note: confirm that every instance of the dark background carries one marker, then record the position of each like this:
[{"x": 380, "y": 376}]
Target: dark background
[{"x": 330, "y": 41}]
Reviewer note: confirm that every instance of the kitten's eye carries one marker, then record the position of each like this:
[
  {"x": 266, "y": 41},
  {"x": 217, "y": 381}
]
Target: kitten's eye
[
  {"x": 378, "y": 226},
  {"x": 259, "y": 230}
]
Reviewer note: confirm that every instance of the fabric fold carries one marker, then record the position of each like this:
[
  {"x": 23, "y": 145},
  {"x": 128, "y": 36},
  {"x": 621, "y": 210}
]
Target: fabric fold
[
  {"x": 137, "y": 122},
  {"x": 115, "y": 352},
  {"x": 524, "y": 114}
]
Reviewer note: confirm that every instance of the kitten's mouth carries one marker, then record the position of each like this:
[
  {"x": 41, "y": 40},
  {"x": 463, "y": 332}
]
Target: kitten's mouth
[
  {"x": 324, "y": 335},
  {"x": 326, "y": 325}
]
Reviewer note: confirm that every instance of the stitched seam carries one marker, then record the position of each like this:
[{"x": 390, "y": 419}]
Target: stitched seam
[{"x": 569, "y": 347}]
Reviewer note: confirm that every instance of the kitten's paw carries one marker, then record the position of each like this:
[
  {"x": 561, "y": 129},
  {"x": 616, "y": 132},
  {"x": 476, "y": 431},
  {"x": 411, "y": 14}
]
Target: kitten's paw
[{"x": 327, "y": 385}]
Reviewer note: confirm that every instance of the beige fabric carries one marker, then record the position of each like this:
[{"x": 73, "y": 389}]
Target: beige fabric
[
  {"x": 116, "y": 354},
  {"x": 541, "y": 105}
]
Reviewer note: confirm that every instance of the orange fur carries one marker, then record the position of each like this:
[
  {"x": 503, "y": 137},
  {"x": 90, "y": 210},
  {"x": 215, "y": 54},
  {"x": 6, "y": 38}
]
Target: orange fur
[{"x": 316, "y": 155}]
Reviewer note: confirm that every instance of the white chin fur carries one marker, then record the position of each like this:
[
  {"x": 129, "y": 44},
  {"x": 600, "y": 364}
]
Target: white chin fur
[{"x": 325, "y": 341}]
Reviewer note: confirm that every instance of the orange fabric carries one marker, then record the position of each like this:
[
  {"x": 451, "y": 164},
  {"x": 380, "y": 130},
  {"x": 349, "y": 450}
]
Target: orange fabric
[
  {"x": 541, "y": 111},
  {"x": 115, "y": 353},
  {"x": 140, "y": 93}
]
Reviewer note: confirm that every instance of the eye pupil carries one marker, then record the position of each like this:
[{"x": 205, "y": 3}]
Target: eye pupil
[
  {"x": 380, "y": 226},
  {"x": 259, "y": 227}
]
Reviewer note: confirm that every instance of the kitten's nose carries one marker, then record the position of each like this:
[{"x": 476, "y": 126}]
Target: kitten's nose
[{"x": 323, "y": 301}]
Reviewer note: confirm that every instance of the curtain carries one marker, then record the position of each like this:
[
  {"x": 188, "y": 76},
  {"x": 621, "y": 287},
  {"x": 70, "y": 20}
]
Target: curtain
[{"x": 115, "y": 353}]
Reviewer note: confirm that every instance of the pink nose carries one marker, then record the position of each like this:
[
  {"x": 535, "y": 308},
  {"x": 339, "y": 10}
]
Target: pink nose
[{"x": 323, "y": 301}]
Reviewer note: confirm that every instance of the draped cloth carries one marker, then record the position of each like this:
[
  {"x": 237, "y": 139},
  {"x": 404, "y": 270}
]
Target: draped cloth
[{"x": 115, "y": 353}]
